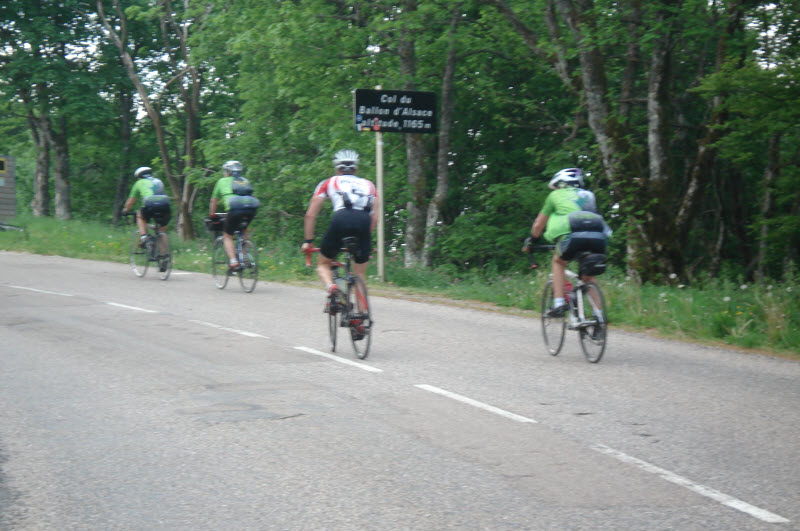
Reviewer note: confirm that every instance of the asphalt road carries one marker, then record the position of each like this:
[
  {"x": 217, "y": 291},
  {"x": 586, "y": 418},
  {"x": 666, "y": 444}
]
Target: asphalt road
[{"x": 130, "y": 403}]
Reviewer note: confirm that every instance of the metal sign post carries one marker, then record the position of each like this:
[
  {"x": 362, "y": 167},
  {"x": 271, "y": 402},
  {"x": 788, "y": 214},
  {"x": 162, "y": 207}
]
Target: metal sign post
[
  {"x": 391, "y": 111},
  {"x": 379, "y": 175}
]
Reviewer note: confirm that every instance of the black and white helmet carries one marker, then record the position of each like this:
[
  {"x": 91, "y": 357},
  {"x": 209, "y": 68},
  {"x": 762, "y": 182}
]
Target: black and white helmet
[
  {"x": 144, "y": 171},
  {"x": 567, "y": 176},
  {"x": 233, "y": 167},
  {"x": 346, "y": 160}
]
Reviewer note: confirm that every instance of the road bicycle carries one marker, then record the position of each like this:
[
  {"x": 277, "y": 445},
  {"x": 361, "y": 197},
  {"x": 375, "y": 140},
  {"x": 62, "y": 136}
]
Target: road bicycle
[
  {"x": 246, "y": 255},
  {"x": 154, "y": 248},
  {"x": 348, "y": 307},
  {"x": 586, "y": 314}
]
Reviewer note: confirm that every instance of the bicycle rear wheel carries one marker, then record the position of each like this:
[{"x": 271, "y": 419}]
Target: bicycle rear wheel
[
  {"x": 594, "y": 330},
  {"x": 553, "y": 328},
  {"x": 219, "y": 264},
  {"x": 138, "y": 255},
  {"x": 164, "y": 254},
  {"x": 248, "y": 276},
  {"x": 359, "y": 317}
]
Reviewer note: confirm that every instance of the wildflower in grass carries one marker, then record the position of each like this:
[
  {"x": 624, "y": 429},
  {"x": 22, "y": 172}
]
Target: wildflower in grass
[
  {"x": 726, "y": 299},
  {"x": 673, "y": 276},
  {"x": 743, "y": 287},
  {"x": 681, "y": 286},
  {"x": 789, "y": 289}
]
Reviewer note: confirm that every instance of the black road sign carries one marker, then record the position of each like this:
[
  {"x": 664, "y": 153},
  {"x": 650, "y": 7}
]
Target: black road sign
[{"x": 395, "y": 111}]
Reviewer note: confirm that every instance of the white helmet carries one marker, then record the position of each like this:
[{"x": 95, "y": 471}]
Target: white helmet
[
  {"x": 234, "y": 167},
  {"x": 346, "y": 159},
  {"x": 568, "y": 176},
  {"x": 142, "y": 172}
]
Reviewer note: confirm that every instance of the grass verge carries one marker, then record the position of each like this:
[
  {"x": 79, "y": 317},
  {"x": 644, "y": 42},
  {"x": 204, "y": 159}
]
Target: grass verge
[{"x": 763, "y": 318}]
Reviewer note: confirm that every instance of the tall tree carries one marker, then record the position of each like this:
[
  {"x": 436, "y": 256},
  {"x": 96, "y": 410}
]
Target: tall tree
[
  {"x": 652, "y": 184},
  {"x": 43, "y": 50},
  {"x": 170, "y": 62}
]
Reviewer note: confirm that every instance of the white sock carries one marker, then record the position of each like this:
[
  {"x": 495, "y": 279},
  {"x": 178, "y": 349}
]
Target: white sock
[{"x": 558, "y": 301}]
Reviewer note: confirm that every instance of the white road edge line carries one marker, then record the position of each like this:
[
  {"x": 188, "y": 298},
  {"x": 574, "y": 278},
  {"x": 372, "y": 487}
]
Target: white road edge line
[
  {"x": 131, "y": 307},
  {"x": 475, "y": 403},
  {"x": 43, "y": 291},
  {"x": 340, "y": 360},
  {"x": 235, "y": 331},
  {"x": 708, "y": 492}
]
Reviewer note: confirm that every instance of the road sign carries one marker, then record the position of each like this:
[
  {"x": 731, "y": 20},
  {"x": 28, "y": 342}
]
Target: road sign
[{"x": 395, "y": 111}]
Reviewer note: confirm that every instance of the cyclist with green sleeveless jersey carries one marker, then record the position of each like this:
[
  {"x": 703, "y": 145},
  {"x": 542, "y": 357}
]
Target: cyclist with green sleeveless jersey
[
  {"x": 155, "y": 203},
  {"x": 235, "y": 193},
  {"x": 569, "y": 219}
]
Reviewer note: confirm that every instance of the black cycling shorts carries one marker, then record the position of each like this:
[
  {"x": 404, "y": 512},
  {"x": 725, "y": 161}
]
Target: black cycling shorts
[
  {"x": 157, "y": 207},
  {"x": 576, "y": 243},
  {"x": 238, "y": 219},
  {"x": 348, "y": 222}
]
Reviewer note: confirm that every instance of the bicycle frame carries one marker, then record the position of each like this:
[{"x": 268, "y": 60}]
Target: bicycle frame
[
  {"x": 350, "y": 302},
  {"x": 156, "y": 249},
  {"x": 582, "y": 297},
  {"x": 247, "y": 258}
]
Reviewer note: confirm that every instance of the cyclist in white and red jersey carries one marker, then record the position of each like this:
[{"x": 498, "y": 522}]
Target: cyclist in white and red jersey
[{"x": 355, "y": 213}]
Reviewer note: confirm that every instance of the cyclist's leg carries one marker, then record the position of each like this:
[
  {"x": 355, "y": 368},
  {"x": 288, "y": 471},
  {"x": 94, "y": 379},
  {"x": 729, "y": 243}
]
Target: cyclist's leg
[
  {"x": 228, "y": 228},
  {"x": 360, "y": 270},
  {"x": 142, "y": 218},
  {"x": 559, "y": 276},
  {"x": 162, "y": 247},
  {"x": 329, "y": 248},
  {"x": 360, "y": 228},
  {"x": 324, "y": 269}
]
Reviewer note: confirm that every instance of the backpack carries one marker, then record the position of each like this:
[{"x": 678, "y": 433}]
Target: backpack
[{"x": 241, "y": 186}]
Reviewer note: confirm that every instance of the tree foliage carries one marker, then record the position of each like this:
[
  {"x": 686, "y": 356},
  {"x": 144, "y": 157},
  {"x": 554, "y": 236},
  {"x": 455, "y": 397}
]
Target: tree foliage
[{"x": 683, "y": 113}]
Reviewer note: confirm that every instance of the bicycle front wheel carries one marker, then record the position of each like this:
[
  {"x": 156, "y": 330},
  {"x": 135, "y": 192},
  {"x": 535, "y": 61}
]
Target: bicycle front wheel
[
  {"x": 138, "y": 255},
  {"x": 219, "y": 264},
  {"x": 594, "y": 328},
  {"x": 360, "y": 319},
  {"x": 164, "y": 256},
  {"x": 248, "y": 276},
  {"x": 553, "y": 328}
]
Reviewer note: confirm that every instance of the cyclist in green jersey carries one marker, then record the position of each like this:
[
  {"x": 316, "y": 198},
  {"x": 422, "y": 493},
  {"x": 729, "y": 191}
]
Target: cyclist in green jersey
[
  {"x": 569, "y": 219},
  {"x": 155, "y": 204},
  {"x": 235, "y": 194}
]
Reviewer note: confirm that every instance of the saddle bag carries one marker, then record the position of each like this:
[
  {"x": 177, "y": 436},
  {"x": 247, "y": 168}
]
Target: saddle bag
[{"x": 592, "y": 264}]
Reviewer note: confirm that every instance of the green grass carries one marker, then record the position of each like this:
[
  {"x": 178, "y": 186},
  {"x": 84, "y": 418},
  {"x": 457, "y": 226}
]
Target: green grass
[{"x": 761, "y": 317}]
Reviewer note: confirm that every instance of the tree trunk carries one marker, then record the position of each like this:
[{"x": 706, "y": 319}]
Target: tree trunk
[
  {"x": 40, "y": 204},
  {"x": 61, "y": 171},
  {"x": 415, "y": 154},
  {"x": 770, "y": 174},
  {"x": 415, "y": 224},
  {"x": 443, "y": 153},
  {"x": 126, "y": 113}
]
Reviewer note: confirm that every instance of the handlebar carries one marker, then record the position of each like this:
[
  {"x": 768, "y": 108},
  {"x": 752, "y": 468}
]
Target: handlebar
[{"x": 530, "y": 247}]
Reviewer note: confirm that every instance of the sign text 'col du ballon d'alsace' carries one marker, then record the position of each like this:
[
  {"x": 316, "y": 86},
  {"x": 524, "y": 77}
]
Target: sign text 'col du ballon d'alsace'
[{"x": 395, "y": 111}]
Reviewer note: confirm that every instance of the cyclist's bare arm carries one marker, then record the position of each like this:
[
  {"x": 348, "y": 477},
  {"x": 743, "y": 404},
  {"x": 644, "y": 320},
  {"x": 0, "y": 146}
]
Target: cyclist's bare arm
[{"x": 539, "y": 224}]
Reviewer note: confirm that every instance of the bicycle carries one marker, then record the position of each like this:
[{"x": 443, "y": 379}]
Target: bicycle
[
  {"x": 582, "y": 297},
  {"x": 348, "y": 307},
  {"x": 246, "y": 255},
  {"x": 154, "y": 248}
]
